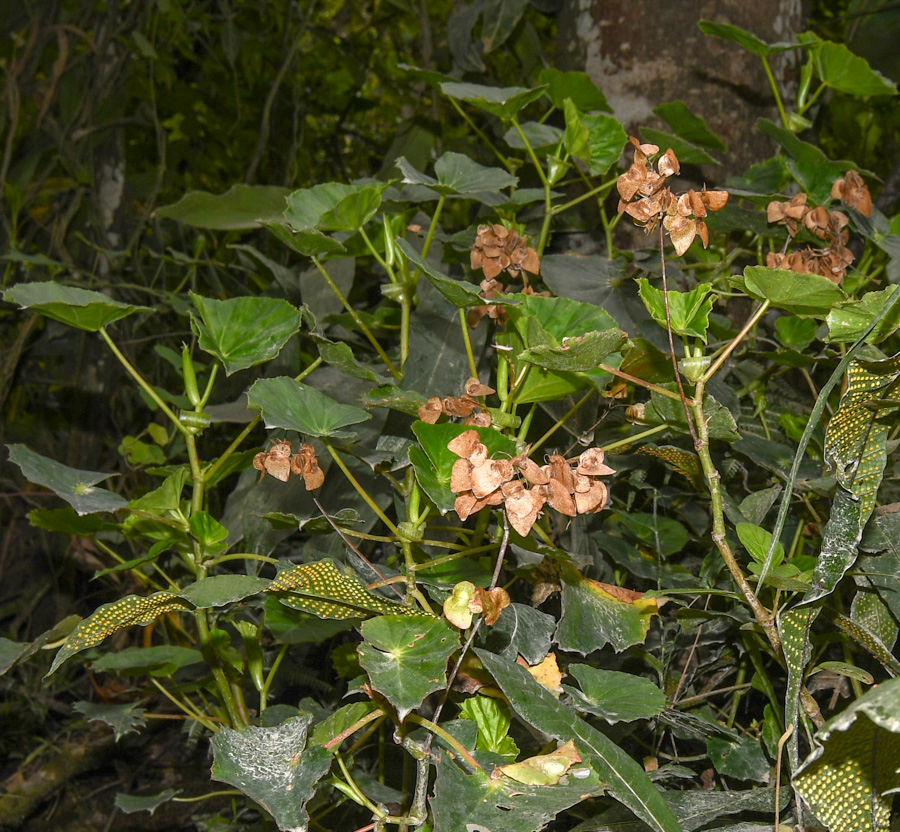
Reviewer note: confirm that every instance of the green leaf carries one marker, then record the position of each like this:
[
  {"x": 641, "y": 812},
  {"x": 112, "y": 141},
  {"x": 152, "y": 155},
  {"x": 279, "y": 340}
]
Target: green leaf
[
  {"x": 522, "y": 631},
  {"x": 66, "y": 521},
  {"x": 162, "y": 660},
  {"x": 290, "y": 626},
  {"x": 622, "y": 777},
  {"x": 851, "y": 671},
  {"x": 503, "y": 102},
  {"x": 689, "y": 311},
  {"x": 743, "y": 759},
  {"x": 849, "y": 319},
  {"x": 687, "y": 153},
  {"x": 798, "y": 333},
  {"x": 576, "y": 86},
  {"x": 246, "y": 331},
  {"x": 576, "y": 353},
  {"x": 757, "y": 541},
  {"x": 742, "y": 37},
  {"x": 123, "y": 719},
  {"x": 333, "y": 206},
  {"x": 131, "y": 803},
  {"x": 577, "y": 138},
  {"x": 806, "y": 295},
  {"x": 340, "y": 356},
  {"x": 10, "y": 653},
  {"x": 841, "y": 70},
  {"x": 285, "y": 403},
  {"x": 493, "y": 719},
  {"x": 209, "y": 533},
  {"x": 479, "y": 802},
  {"x": 460, "y": 293},
  {"x": 274, "y": 767},
  {"x": 688, "y": 126},
  {"x": 457, "y": 174},
  {"x": 435, "y": 483},
  {"x": 220, "y": 590},
  {"x": 720, "y": 422},
  {"x": 663, "y": 534},
  {"x": 81, "y": 308},
  {"x": 808, "y": 164},
  {"x": 542, "y": 138},
  {"x": 241, "y": 207},
  {"x": 607, "y": 138},
  {"x": 75, "y": 486},
  {"x": 321, "y": 589},
  {"x": 110, "y": 618},
  {"x": 592, "y": 617},
  {"x": 615, "y": 696},
  {"x": 305, "y": 241},
  {"x": 406, "y": 657},
  {"x": 854, "y": 763}
]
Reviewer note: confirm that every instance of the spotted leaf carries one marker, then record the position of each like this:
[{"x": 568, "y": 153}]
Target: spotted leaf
[
  {"x": 110, "y": 618},
  {"x": 321, "y": 589}
]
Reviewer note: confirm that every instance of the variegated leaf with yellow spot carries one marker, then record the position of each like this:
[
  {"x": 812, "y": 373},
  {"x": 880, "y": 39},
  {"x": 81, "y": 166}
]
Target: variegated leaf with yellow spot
[
  {"x": 321, "y": 589},
  {"x": 110, "y": 618}
]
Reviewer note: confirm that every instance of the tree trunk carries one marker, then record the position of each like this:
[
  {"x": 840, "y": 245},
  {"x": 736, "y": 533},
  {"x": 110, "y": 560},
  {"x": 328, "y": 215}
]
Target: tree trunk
[{"x": 643, "y": 54}]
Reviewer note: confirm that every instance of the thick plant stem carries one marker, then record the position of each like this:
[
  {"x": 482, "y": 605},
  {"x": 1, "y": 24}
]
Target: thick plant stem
[{"x": 713, "y": 481}]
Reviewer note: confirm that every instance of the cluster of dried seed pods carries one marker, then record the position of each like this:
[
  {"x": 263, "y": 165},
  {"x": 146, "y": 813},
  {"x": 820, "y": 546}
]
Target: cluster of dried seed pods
[
  {"x": 279, "y": 462},
  {"x": 466, "y": 407},
  {"x": 833, "y": 260},
  {"x": 647, "y": 200},
  {"x": 522, "y": 486},
  {"x": 497, "y": 249}
]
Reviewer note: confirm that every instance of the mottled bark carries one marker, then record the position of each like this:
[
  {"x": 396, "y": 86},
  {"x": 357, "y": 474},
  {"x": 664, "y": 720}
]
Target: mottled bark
[{"x": 642, "y": 54}]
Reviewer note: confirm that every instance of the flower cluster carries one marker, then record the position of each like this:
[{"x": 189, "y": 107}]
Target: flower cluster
[
  {"x": 280, "y": 463},
  {"x": 832, "y": 260},
  {"x": 465, "y": 407},
  {"x": 522, "y": 486},
  {"x": 645, "y": 197}
]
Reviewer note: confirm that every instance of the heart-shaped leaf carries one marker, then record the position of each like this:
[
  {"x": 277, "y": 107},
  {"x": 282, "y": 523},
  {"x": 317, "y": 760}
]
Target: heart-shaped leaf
[
  {"x": 285, "y": 403},
  {"x": 406, "y": 658},
  {"x": 246, "y": 331},
  {"x": 503, "y": 102}
]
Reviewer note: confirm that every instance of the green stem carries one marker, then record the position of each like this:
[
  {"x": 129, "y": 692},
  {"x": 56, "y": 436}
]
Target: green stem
[
  {"x": 374, "y": 252},
  {"x": 405, "y": 312},
  {"x": 447, "y": 737},
  {"x": 359, "y": 489},
  {"x": 775, "y": 92},
  {"x": 599, "y": 189},
  {"x": 713, "y": 481},
  {"x": 431, "y": 229},
  {"x": 264, "y": 693},
  {"x": 482, "y": 135},
  {"x": 467, "y": 341},
  {"x": 142, "y": 382},
  {"x": 212, "y": 660},
  {"x": 560, "y": 422},
  {"x": 723, "y": 356},
  {"x": 358, "y": 321},
  {"x": 184, "y": 705},
  {"x": 637, "y": 437}
]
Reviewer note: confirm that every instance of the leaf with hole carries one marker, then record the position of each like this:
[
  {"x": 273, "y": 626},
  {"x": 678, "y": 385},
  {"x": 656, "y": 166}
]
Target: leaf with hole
[{"x": 78, "y": 488}]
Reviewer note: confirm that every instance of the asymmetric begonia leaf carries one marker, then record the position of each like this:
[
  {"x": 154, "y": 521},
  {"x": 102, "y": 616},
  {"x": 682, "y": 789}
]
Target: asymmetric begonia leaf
[
  {"x": 241, "y": 207},
  {"x": 273, "y": 766},
  {"x": 855, "y": 762},
  {"x": 288, "y": 404},
  {"x": 245, "y": 331},
  {"x": 613, "y": 695},
  {"x": 81, "y": 308},
  {"x": 406, "y": 657},
  {"x": 503, "y": 102},
  {"x": 78, "y": 488},
  {"x": 123, "y": 719},
  {"x": 620, "y": 775}
]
